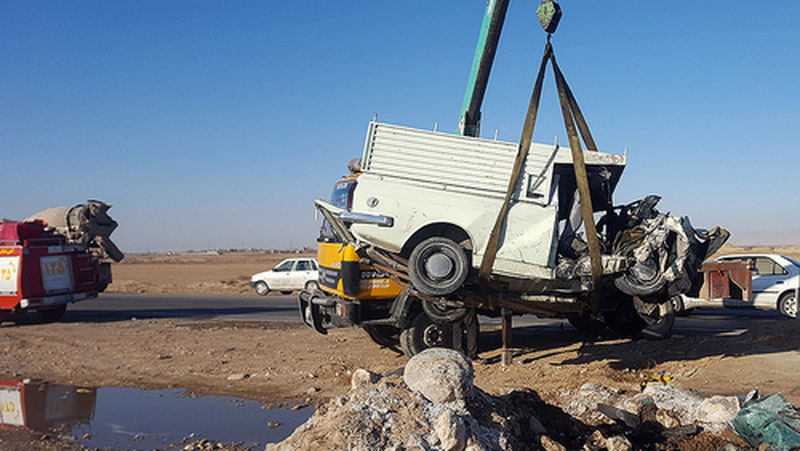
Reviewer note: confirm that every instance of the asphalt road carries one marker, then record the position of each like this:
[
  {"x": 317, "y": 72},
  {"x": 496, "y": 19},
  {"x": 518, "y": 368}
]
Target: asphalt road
[{"x": 121, "y": 307}]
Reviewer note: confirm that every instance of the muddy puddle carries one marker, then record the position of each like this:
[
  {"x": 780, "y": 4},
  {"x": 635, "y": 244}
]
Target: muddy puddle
[{"x": 129, "y": 418}]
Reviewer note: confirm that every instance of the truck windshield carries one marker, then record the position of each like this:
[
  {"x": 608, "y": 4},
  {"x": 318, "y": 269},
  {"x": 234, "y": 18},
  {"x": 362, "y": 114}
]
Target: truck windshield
[
  {"x": 339, "y": 198},
  {"x": 341, "y": 193}
]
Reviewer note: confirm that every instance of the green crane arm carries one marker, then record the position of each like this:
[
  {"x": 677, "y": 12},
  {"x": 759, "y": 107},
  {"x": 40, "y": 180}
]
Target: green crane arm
[{"x": 469, "y": 124}]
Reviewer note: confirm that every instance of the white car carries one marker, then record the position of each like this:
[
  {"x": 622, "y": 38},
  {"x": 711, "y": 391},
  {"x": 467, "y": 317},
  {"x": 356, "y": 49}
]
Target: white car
[
  {"x": 287, "y": 276},
  {"x": 776, "y": 283}
]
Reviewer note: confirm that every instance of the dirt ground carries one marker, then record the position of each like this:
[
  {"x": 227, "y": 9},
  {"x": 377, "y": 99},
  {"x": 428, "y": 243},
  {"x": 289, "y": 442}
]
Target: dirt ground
[{"x": 276, "y": 362}]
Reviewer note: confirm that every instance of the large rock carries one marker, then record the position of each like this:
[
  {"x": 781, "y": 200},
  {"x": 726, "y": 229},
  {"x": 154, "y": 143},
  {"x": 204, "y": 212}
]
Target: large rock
[{"x": 439, "y": 374}]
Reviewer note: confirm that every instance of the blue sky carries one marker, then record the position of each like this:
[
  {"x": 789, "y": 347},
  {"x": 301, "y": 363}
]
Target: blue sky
[{"x": 214, "y": 124}]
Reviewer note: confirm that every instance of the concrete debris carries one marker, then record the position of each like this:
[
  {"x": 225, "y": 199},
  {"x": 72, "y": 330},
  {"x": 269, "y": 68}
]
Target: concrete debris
[
  {"x": 435, "y": 406},
  {"x": 362, "y": 377},
  {"x": 439, "y": 374}
]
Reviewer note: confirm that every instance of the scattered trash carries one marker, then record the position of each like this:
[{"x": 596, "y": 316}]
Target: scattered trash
[
  {"x": 664, "y": 378},
  {"x": 770, "y": 420}
]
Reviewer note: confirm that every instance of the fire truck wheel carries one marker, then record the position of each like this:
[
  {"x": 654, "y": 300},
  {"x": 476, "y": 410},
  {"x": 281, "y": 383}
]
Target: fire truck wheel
[
  {"x": 52, "y": 315},
  {"x": 438, "y": 266},
  {"x": 4, "y": 314},
  {"x": 387, "y": 336},
  {"x": 422, "y": 333}
]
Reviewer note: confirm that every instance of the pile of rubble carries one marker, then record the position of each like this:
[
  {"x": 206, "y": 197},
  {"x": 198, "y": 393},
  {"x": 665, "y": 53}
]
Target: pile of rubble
[{"x": 434, "y": 405}]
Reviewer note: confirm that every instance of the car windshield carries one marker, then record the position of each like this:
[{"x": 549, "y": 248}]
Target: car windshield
[
  {"x": 285, "y": 266},
  {"x": 794, "y": 262}
]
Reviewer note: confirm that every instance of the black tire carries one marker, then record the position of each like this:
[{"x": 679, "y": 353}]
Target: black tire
[
  {"x": 787, "y": 305},
  {"x": 443, "y": 314},
  {"x": 286, "y": 292},
  {"x": 262, "y": 289},
  {"x": 311, "y": 285},
  {"x": 438, "y": 266},
  {"x": 642, "y": 279},
  {"x": 52, "y": 315},
  {"x": 422, "y": 333},
  {"x": 591, "y": 323},
  {"x": 624, "y": 320},
  {"x": 662, "y": 327},
  {"x": 387, "y": 336}
]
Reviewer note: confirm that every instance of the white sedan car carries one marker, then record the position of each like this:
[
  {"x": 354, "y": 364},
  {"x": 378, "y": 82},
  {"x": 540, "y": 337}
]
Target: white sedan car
[
  {"x": 776, "y": 284},
  {"x": 287, "y": 276}
]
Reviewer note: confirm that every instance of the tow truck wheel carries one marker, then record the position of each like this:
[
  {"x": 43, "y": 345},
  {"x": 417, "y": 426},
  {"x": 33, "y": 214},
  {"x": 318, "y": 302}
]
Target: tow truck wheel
[
  {"x": 788, "y": 305},
  {"x": 422, "y": 333},
  {"x": 590, "y": 323},
  {"x": 52, "y": 315},
  {"x": 438, "y": 266},
  {"x": 624, "y": 320},
  {"x": 443, "y": 314},
  {"x": 261, "y": 288},
  {"x": 387, "y": 336}
]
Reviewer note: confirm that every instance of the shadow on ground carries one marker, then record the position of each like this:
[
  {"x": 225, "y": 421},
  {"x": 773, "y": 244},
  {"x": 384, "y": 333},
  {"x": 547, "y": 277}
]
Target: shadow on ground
[{"x": 694, "y": 339}]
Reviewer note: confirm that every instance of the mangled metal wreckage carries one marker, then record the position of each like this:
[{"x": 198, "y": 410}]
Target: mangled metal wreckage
[{"x": 420, "y": 208}]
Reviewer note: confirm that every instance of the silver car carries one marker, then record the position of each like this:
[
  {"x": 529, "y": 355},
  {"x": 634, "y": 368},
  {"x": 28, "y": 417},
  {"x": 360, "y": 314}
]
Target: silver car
[{"x": 775, "y": 285}]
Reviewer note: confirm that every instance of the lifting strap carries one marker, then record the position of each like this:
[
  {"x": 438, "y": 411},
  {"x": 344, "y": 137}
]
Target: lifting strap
[{"x": 572, "y": 115}]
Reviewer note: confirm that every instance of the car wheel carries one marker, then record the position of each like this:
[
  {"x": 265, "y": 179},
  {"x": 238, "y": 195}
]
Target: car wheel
[
  {"x": 387, "y": 336},
  {"x": 52, "y": 315},
  {"x": 438, "y": 266},
  {"x": 261, "y": 288},
  {"x": 286, "y": 291},
  {"x": 787, "y": 305},
  {"x": 422, "y": 333},
  {"x": 311, "y": 285}
]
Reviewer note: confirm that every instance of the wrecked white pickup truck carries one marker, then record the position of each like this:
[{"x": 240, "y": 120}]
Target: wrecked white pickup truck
[{"x": 422, "y": 208}]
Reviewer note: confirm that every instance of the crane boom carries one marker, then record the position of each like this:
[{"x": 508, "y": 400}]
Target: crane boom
[{"x": 469, "y": 124}]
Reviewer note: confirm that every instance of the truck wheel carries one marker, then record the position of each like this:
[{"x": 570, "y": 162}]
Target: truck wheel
[
  {"x": 261, "y": 288},
  {"x": 662, "y": 327},
  {"x": 443, "y": 314},
  {"x": 591, "y": 323},
  {"x": 787, "y": 305},
  {"x": 438, "y": 266},
  {"x": 643, "y": 279},
  {"x": 387, "y": 336},
  {"x": 624, "y": 320},
  {"x": 422, "y": 333},
  {"x": 52, "y": 315}
]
